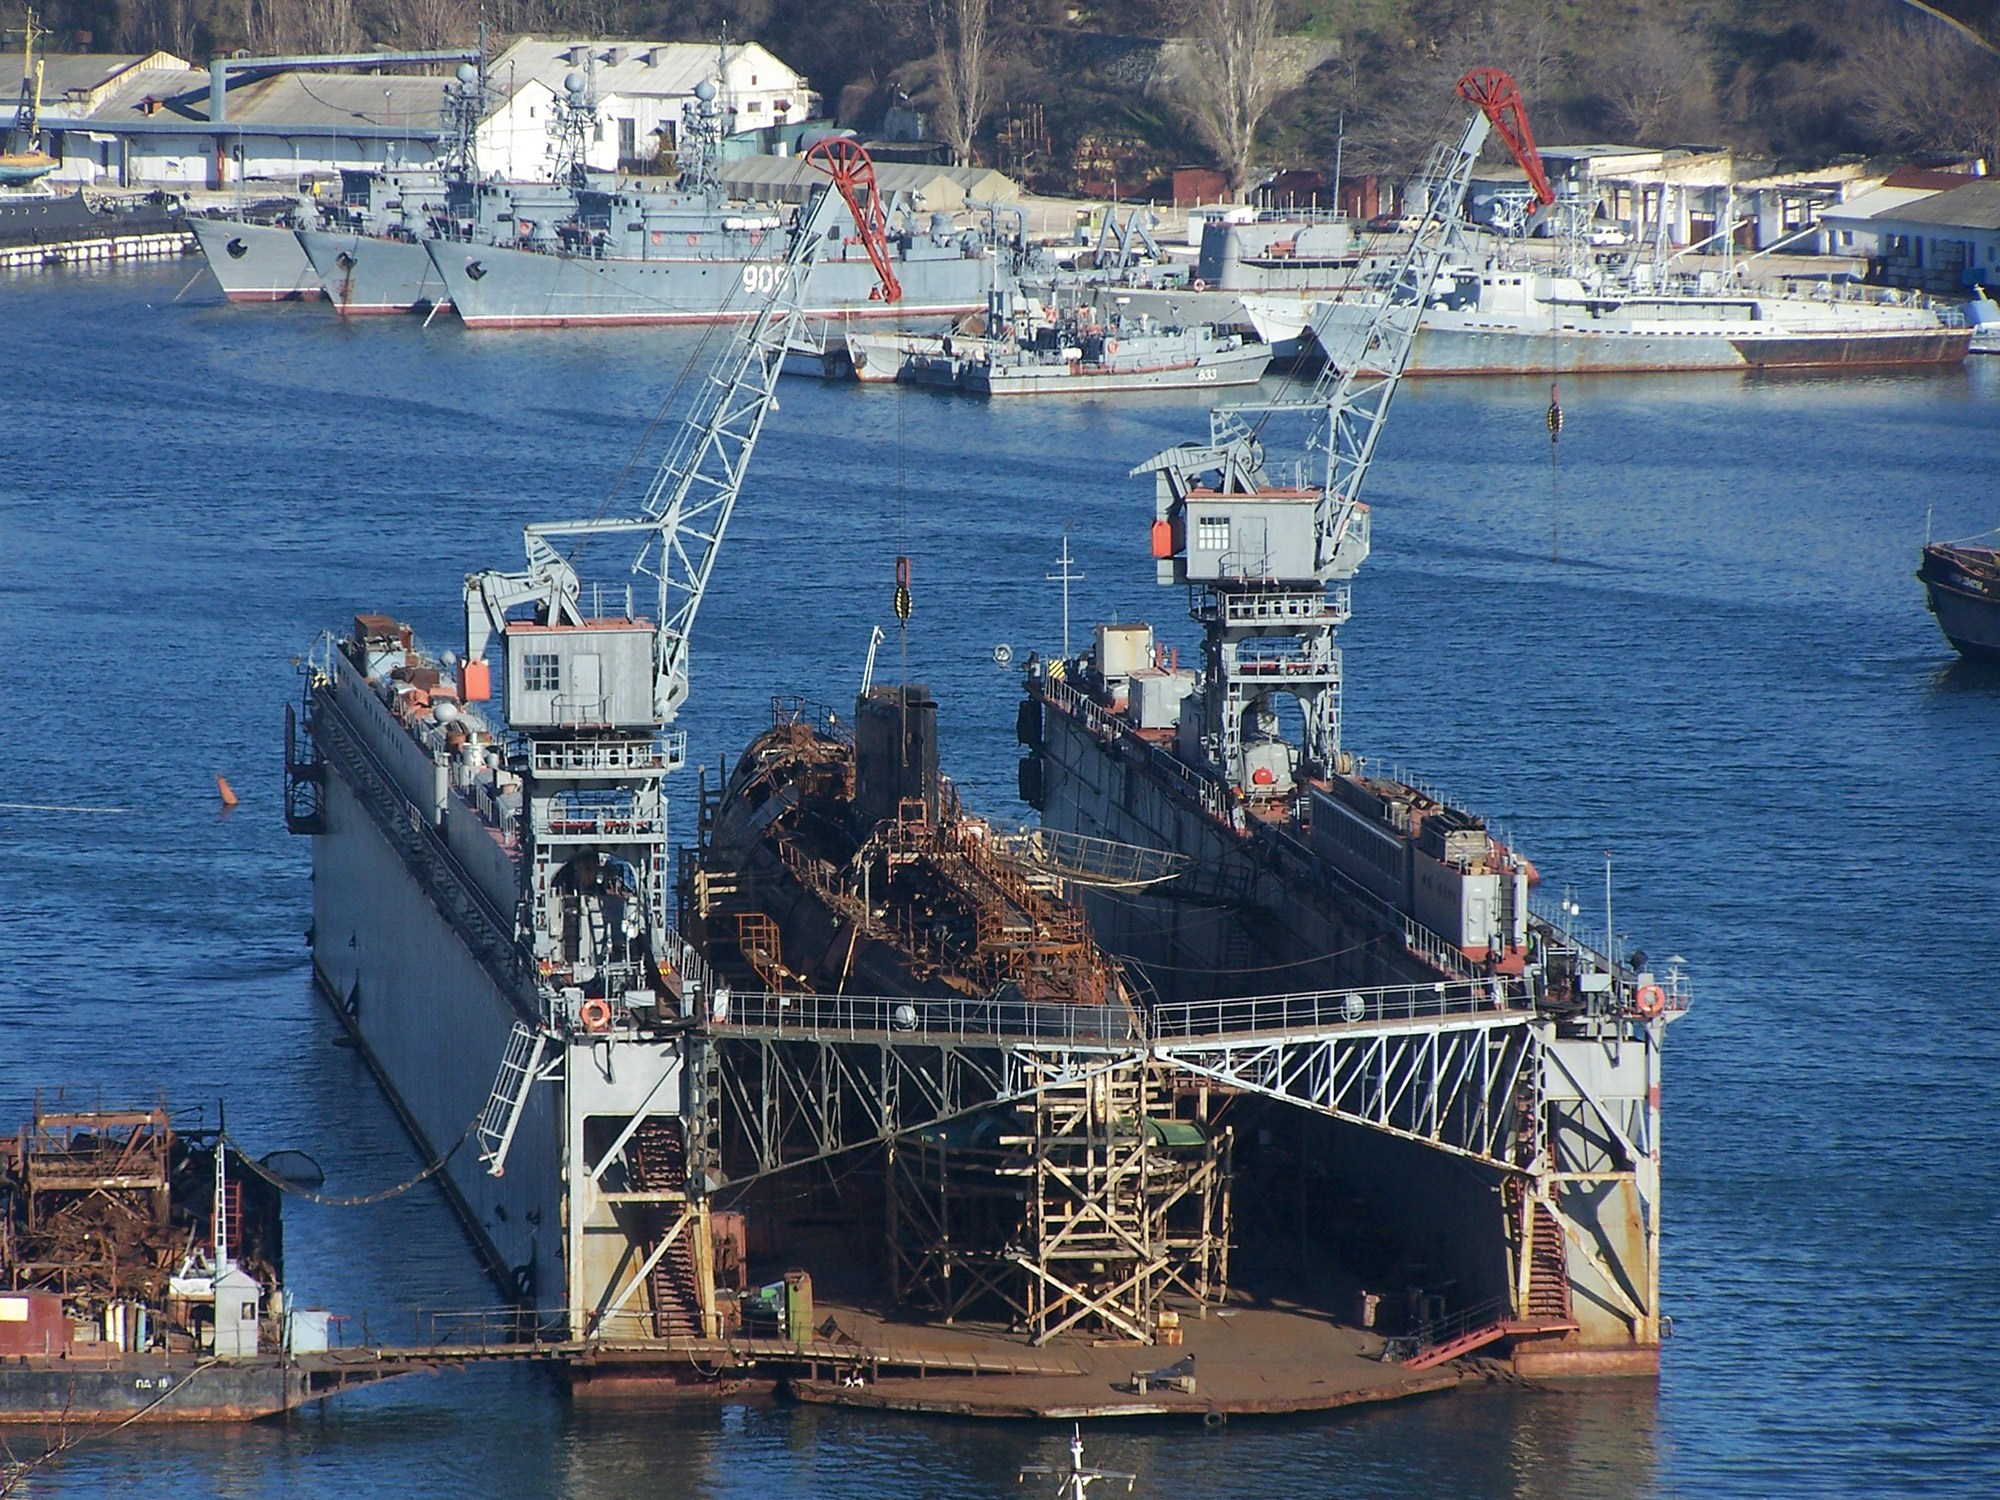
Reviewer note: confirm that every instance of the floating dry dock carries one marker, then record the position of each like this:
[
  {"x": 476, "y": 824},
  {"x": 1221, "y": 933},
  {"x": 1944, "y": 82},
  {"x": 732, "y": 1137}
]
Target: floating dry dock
[{"x": 1247, "y": 1082}]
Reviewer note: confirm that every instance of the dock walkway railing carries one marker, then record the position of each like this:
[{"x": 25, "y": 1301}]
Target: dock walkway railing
[
  {"x": 868, "y": 1017},
  {"x": 818, "y": 1017},
  {"x": 1320, "y": 1010}
]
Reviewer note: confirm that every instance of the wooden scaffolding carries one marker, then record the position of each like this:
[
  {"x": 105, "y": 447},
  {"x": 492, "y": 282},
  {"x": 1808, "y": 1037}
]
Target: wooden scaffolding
[{"x": 1082, "y": 1207}]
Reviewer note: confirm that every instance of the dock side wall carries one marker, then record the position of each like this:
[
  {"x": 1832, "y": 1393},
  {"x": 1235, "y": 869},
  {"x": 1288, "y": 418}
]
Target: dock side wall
[
  {"x": 435, "y": 1027},
  {"x": 1251, "y": 925}
]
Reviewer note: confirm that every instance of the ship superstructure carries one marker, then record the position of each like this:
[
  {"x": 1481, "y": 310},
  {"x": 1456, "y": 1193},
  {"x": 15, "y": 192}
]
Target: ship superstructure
[{"x": 1514, "y": 1133}]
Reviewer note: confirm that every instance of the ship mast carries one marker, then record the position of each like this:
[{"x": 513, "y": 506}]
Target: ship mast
[{"x": 1268, "y": 557}]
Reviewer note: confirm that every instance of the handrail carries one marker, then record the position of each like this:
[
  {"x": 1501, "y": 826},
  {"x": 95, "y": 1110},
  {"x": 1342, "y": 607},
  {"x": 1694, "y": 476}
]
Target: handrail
[
  {"x": 1213, "y": 797},
  {"x": 1320, "y": 1009},
  {"x": 817, "y": 1016},
  {"x": 1438, "y": 1332}
]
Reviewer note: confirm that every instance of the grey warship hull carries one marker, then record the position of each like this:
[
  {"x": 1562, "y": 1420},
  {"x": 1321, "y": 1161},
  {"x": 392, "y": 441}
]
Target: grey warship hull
[
  {"x": 364, "y": 275},
  {"x": 506, "y": 288},
  {"x": 256, "y": 262}
]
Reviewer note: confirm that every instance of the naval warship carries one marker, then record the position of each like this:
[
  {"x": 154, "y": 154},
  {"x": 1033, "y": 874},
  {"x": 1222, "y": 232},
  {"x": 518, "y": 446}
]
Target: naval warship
[
  {"x": 632, "y": 255},
  {"x": 1538, "y": 1187},
  {"x": 1497, "y": 312},
  {"x": 259, "y": 259}
]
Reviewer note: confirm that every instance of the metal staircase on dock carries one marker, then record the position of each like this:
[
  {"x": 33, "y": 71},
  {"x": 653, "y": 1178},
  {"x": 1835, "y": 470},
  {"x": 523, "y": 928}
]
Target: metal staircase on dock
[
  {"x": 657, "y": 1155},
  {"x": 1547, "y": 1310}
]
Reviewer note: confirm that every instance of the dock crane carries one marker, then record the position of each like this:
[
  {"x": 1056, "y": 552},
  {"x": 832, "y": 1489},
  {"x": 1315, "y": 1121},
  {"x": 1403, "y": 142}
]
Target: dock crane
[
  {"x": 688, "y": 505},
  {"x": 1267, "y": 557},
  {"x": 590, "y": 695}
]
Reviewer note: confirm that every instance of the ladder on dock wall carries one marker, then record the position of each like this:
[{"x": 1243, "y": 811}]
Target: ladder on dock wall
[{"x": 518, "y": 1066}]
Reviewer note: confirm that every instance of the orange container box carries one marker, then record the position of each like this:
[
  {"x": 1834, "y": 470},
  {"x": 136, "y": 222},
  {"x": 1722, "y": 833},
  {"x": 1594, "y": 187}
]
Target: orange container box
[{"x": 475, "y": 682}]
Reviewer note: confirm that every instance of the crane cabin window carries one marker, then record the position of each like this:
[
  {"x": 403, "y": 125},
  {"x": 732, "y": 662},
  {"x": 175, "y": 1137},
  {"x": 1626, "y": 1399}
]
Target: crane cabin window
[
  {"x": 1211, "y": 534},
  {"x": 541, "y": 674}
]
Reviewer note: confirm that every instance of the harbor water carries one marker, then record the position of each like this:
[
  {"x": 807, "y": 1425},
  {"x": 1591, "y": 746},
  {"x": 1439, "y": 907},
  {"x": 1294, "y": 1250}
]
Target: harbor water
[{"x": 1725, "y": 677}]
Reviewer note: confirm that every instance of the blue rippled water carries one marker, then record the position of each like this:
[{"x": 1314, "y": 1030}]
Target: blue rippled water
[{"x": 1729, "y": 681}]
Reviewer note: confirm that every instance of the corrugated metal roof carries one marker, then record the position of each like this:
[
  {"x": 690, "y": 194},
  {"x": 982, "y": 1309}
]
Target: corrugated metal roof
[
  {"x": 80, "y": 72},
  {"x": 1875, "y": 201},
  {"x": 320, "y": 100},
  {"x": 315, "y": 102},
  {"x": 1974, "y": 206}
]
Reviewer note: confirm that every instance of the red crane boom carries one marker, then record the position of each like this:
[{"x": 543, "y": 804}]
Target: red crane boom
[
  {"x": 853, "y": 175},
  {"x": 1494, "y": 91}
]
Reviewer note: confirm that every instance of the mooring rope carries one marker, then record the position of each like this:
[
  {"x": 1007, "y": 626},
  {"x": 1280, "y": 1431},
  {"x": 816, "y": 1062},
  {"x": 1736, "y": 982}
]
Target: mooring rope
[{"x": 283, "y": 1185}]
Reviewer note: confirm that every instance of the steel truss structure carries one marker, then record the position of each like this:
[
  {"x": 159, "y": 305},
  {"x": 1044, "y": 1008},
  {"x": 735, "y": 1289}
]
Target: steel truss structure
[
  {"x": 1456, "y": 1087},
  {"x": 1034, "y": 1164}
]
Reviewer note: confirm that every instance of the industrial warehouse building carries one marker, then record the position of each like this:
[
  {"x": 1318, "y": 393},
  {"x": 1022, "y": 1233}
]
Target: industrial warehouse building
[
  {"x": 154, "y": 121},
  {"x": 1946, "y": 241}
]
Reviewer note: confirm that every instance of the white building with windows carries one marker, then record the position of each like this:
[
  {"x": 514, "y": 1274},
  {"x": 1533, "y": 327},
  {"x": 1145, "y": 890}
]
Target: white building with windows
[{"x": 640, "y": 88}]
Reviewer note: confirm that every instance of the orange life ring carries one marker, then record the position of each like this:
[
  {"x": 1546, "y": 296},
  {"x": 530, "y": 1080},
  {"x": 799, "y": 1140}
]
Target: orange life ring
[
  {"x": 1650, "y": 1001},
  {"x": 1198, "y": 285},
  {"x": 1111, "y": 346},
  {"x": 595, "y": 1015}
]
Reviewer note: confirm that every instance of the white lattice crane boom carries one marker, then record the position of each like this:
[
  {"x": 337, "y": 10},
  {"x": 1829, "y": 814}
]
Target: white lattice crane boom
[
  {"x": 690, "y": 501},
  {"x": 1267, "y": 556}
]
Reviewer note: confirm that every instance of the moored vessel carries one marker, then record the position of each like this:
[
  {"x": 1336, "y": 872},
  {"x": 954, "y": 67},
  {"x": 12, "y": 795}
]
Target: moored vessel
[
  {"x": 255, "y": 261},
  {"x": 1522, "y": 319},
  {"x": 1962, "y": 588},
  {"x": 656, "y": 260}
]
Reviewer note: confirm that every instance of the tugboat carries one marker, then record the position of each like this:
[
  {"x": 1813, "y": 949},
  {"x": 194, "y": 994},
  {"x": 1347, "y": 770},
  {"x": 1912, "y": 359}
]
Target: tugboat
[{"x": 1962, "y": 584}]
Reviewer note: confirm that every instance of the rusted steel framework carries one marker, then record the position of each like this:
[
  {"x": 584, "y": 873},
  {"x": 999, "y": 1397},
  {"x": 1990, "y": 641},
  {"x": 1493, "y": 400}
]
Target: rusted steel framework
[{"x": 795, "y": 887}]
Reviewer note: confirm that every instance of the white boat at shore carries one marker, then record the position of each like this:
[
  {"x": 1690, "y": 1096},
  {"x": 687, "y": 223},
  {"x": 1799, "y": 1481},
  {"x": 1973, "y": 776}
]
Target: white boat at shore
[{"x": 1501, "y": 320}]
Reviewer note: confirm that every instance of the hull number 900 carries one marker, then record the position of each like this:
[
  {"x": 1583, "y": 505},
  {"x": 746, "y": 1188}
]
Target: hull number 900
[{"x": 765, "y": 278}]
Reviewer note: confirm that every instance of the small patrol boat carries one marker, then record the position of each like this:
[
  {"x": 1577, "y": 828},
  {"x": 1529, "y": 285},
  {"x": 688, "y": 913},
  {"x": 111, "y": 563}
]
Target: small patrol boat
[
  {"x": 1035, "y": 349},
  {"x": 1962, "y": 587}
]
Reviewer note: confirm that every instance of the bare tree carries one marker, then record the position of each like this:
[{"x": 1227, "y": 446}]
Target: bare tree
[
  {"x": 167, "y": 25},
  {"x": 1235, "y": 78},
  {"x": 1659, "y": 82},
  {"x": 433, "y": 24},
  {"x": 326, "y": 25},
  {"x": 963, "y": 89},
  {"x": 1924, "y": 86}
]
